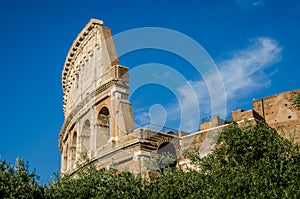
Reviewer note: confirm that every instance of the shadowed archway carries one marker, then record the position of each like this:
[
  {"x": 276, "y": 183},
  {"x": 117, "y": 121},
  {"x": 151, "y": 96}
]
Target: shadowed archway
[{"x": 167, "y": 155}]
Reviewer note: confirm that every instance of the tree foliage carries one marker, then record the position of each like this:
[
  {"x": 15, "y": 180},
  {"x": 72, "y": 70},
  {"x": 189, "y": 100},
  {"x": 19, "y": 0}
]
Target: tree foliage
[
  {"x": 253, "y": 161},
  {"x": 160, "y": 161},
  {"x": 296, "y": 100},
  {"x": 17, "y": 182},
  {"x": 248, "y": 162},
  {"x": 96, "y": 184}
]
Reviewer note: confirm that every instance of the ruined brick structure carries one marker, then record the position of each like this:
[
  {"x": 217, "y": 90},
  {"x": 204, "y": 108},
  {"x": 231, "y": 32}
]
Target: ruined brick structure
[
  {"x": 280, "y": 114},
  {"x": 98, "y": 116}
]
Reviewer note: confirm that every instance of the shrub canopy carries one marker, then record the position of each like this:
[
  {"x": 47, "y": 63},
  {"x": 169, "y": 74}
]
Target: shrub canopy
[{"x": 248, "y": 162}]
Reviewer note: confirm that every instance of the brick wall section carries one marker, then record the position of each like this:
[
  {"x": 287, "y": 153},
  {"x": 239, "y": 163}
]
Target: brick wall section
[
  {"x": 280, "y": 114},
  {"x": 242, "y": 115},
  {"x": 215, "y": 121}
]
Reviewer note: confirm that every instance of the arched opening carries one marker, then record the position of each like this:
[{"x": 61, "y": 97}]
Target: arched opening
[
  {"x": 103, "y": 127},
  {"x": 167, "y": 155},
  {"x": 65, "y": 158},
  {"x": 74, "y": 140},
  {"x": 104, "y": 121},
  {"x": 85, "y": 136},
  {"x": 73, "y": 147}
]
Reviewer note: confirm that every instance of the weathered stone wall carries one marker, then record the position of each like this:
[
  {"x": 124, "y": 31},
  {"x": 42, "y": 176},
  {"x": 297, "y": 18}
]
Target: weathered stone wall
[
  {"x": 280, "y": 114},
  {"x": 215, "y": 121},
  {"x": 96, "y": 90}
]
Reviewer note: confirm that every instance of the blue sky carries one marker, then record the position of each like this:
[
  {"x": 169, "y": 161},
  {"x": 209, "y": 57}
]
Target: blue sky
[{"x": 254, "y": 44}]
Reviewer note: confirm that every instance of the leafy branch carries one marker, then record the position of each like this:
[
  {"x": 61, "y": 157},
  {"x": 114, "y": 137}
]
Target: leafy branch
[{"x": 296, "y": 100}]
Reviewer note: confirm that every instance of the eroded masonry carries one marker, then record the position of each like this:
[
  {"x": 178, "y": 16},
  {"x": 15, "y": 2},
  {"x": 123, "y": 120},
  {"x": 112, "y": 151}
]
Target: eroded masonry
[{"x": 99, "y": 121}]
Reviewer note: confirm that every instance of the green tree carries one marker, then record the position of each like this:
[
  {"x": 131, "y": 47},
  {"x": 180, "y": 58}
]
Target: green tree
[
  {"x": 17, "y": 182},
  {"x": 92, "y": 183},
  {"x": 296, "y": 100},
  {"x": 160, "y": 161},
  {"x": 248, "y": 162},
  {"x": 251, "y": 162}
]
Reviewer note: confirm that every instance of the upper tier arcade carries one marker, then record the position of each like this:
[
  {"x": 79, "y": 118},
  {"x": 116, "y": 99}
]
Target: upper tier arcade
[{"x": 90, "y": 57}]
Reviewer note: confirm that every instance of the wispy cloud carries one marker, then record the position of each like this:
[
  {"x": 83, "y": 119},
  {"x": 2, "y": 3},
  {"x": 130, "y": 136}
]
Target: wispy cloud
[
  {"x": 242, "y": 73},
  {"x": 250, "y": 3},
  {"x": 163, "y": 75},
  {"x": 141, "y": 115}
]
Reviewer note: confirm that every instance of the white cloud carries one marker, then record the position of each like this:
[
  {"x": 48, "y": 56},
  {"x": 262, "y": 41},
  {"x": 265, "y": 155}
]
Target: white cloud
[
  {"x": 142, "y": 115},
  {"x": 243, "y": 73},
  {"x": 250, "y": 3},
  {"x": 164, "y": 75}
]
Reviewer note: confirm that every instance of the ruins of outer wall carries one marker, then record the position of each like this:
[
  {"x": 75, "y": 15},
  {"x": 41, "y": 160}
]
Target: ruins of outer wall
[{"x": 280, "y": 114}]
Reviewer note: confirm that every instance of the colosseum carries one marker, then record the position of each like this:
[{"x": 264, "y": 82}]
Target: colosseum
[{"x": 99, "y": 120}]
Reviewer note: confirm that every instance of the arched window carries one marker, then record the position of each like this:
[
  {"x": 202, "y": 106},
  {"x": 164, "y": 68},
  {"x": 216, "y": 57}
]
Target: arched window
[
  {"x": 65, "y": 158},
  {"x": 74, "y": 140},
  {"x": 74, "y": 146},
  {"x": 85, "y": 136},
  {"x": 104, "y": 121}
]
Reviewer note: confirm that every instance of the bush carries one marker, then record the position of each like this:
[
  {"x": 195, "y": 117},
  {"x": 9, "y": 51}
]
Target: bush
[
  {"x": 252, "y": 162},
  {"x": 96, "y": 184},
  {"x": 248, "y": 162},
  {"x": 17, "y": 182},
  {"x": 296, "y": 100}
]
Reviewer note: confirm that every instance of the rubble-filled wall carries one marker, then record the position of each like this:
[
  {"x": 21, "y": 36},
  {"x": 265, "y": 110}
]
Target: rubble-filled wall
[{"x": 279, "y": 113}]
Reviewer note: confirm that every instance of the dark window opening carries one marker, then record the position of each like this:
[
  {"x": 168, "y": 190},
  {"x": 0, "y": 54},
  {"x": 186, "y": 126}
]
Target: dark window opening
[
  {"x": 167, "y": 155},
  {"x": 104, "y": 121}
]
